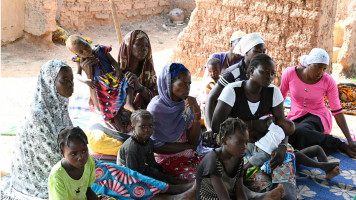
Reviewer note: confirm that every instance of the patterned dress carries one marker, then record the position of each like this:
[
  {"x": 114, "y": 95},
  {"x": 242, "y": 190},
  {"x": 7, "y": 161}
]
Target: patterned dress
[
  {"x": 36, "y": 149},
  {"x": 211, "y": 165}
]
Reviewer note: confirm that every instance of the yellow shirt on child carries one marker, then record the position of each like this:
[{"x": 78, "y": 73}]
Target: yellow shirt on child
[{"x": 62, "y": 186}]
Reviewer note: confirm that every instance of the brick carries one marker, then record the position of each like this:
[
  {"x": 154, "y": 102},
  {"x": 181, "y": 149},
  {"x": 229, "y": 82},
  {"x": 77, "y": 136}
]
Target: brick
[
  {"x": 146, "y": 12},
  {"x": 164, "y": 3},
  {"x": 151, "y": 4},
  {"x": 139, "y": 5},
  {"x": 132, "y": 13},
  {"x": 96, "y": 8},
  {"x": 77, "y": 8},
  {"x": 51, "y": 5},
  {"x": 124, "y": 6},
  {"x": 102, "y": 16}
]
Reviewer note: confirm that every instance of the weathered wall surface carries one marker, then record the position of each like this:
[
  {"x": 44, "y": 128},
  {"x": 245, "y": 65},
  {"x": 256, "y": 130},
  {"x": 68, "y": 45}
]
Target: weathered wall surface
[
  {"x": 40, "y": 17},
  {"x": 342, "y": 7},
  {"x": 12, "y": 20},
  {"x": 82, "y": 14},
  {"x": 347, "y": 54},
  {"x": 186, "y": 5},
  {"x": 290, "y": 28}
]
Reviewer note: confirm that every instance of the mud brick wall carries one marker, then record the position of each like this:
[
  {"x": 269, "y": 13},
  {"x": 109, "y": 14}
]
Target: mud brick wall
[
  {"x": 342, "y": 7},
  {"x": 347, "y": 54},
  {"x": 82, "y": 14},
  {"x": 290, "y": 28}
]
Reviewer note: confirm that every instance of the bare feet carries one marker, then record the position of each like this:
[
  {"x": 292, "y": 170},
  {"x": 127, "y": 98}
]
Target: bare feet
[
  {"x": 275, "y": 194},
  {"x": 332, "y": 173},
  {"x": 346, "y": 149}
]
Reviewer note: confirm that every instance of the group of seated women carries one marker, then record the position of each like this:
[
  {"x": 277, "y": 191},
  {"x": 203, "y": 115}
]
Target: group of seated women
[{"x": 158, "y": 138}]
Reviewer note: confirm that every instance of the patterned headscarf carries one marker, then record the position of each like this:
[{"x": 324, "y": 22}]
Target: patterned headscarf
[
  {"x": 247, "y": 42},
  {"x": 36, "y": 150},
  {"x": 171, "y": 118},
  {"x": 147, "y": 76},
  {"x": 48, "y": 103},
  {"x": 316, "y": 55}
]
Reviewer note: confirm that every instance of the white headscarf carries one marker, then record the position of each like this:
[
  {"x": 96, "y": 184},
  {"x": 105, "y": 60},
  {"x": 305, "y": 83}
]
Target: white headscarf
[
  {"x": 316, "y": 55},
  {"x": 237, "y": 35},
  {"x": 247, "y": 42},
  {"x": 36, "y": 150}
]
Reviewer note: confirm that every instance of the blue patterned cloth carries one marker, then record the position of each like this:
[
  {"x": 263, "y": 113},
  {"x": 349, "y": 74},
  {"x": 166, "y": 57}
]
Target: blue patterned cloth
[
  {"x": 123, "y": 183},
  {"x": 311, "y": 182}
]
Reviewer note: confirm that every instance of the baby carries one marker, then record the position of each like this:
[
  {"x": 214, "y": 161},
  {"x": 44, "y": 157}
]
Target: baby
[
  {"x": 261, "y": 150},
  {"x": 108, "y": 90}
]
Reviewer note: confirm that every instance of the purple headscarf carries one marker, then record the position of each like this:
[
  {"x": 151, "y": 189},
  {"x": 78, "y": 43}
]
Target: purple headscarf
[{"x": 171, "y": 118}]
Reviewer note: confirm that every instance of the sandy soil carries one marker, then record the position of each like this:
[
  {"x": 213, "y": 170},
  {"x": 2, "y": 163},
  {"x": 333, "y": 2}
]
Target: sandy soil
[{"x": 22, "y": 60}]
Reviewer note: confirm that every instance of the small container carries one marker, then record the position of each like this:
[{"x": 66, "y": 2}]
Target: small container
[{"x": 176, "y": 15}]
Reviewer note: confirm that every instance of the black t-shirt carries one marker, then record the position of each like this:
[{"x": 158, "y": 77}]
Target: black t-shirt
[{"x": 211, "y": 165}]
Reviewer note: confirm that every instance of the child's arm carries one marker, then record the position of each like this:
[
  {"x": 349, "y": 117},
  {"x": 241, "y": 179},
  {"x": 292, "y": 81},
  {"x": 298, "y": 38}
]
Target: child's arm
[
  {"x": 113, "y": 62},
  {"x": 219, "y": 187},
  {"x": 240, "y": 194},
  {"x": 91, "y": 195},
  {"x": 247, "y": 165},
  {"x": 88, "y": 81}
]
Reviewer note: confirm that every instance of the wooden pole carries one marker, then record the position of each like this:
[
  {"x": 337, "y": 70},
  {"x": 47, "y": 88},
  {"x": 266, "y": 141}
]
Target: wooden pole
[{"x": 116, "y": 21}]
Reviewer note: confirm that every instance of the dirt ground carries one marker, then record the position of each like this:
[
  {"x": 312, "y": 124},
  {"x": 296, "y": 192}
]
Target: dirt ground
[{"x": 22, "y": 60}]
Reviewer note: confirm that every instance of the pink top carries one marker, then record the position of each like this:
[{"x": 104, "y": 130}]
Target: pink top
[{"x": 309, "y": 98}]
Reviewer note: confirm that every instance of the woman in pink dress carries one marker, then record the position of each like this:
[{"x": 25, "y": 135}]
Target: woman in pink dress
[{"x": 307, "y": 85}]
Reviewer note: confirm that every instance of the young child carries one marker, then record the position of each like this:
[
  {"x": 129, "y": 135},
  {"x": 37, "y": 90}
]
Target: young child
[
  {"x": 72, "y": 177},
  {"x": 220, "y": 172},
  {"x": 108, "y": 90},
  {"x": 260, "y": 151},
  {"x": 214, "y": 68},
  {"x": 305, "y": 156},
  {"x": 137, "y": 152}
]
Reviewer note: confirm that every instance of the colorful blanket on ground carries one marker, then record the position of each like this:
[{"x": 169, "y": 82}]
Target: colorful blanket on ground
[
  {"x": 312, "y": 184},
  {"x": 124, "y": 183}
]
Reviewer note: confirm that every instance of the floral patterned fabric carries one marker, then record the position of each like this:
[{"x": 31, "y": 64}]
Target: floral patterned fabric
[
  {"x": 36, "y": 149},
  {"x": 311, "y": 182}
]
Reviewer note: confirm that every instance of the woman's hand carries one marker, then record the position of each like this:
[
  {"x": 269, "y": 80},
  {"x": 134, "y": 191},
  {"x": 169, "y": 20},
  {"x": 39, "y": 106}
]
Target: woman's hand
[
  {"x": 277, "y": 156},
  {"x": 350, "y": 149},
  {"x": 92, "y": 84},
  {"x": 133, "y": 79},
  {"x": 192, "y": 102},
  {"x": 209, "y": 138},
  {"x": 352, "y": 145}
]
